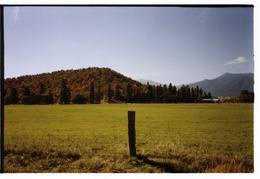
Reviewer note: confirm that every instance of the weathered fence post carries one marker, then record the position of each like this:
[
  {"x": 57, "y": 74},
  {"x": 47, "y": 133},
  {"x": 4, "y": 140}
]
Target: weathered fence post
[{"x": 131, "y": 133}]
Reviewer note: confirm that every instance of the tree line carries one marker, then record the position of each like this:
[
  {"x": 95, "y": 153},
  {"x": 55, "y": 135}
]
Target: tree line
[
  {"x": 109, "y": 94},
  {"x": 244, "y": 97},
  {"x": 94, "y": 85}
]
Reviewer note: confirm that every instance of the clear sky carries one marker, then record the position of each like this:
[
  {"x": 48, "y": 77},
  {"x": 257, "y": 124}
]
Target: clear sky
[{"x": 164, "y": 44}]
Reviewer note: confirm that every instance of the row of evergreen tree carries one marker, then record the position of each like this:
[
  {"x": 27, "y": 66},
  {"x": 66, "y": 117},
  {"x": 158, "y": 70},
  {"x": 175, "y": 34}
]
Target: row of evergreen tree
[{"x": 112, "y": 94}]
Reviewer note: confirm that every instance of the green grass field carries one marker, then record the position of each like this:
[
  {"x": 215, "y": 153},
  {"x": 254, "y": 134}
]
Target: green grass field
[{"x": 94, "y": 138}]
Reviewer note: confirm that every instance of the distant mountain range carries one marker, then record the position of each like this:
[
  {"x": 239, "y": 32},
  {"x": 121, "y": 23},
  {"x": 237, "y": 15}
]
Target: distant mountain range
[
  {"x": 227, "y": 85},
  {"x": 149, "y": 81}
]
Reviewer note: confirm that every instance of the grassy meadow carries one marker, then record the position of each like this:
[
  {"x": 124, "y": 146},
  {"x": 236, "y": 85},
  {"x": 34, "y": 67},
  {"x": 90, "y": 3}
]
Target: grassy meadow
[{"x": 176, "y": 138}]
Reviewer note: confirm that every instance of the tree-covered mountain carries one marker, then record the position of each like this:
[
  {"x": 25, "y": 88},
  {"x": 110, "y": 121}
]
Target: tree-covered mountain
[
  {"x": 227, "y": 85},
  {"x": 77, "y": 83},
  {"x": 93, "y": 85}
]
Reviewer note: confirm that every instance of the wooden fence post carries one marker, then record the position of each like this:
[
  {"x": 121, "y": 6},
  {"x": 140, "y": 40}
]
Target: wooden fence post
[{"x": 131, "y": 133}]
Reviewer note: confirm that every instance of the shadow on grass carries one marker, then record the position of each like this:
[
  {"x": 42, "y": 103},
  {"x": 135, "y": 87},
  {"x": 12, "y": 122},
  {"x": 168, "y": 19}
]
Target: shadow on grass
[{"x": 167, "y": 167}]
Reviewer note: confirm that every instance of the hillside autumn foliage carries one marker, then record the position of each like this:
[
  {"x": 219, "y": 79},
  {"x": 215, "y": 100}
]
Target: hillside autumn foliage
[
  {"x": 77, "y": 81},
  {"x": 93, "y": 85}
]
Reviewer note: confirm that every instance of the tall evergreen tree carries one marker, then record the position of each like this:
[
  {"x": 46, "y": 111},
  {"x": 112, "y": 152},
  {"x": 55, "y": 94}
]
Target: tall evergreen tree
[
  {"x": 128, "y": 95},
  {"x": 188, "y": 99},
  {"x": 182, "y": 93},
  {"x": 69, "y": 94},
  {"x": 98, "y": 95},
  {"x": 137, "y": 95},
  {"x": 197, "y": 92},
  {"x": 192, "y": 94},
  {"x": 117, "y": 93},
  {"x": 209, "y": 95},
  {"x": 26, "y": 95},
  {"x": 109, "y": 93},
  {"x": 42, "y": 88},
  {"x": 170, "y": 89},
  {"x": 64, "y": 93},
  {"x": 92, "y": 93},
  {"x": 50, "y": 98},
  {"x": 157, "y": 94},
  {"x": 201, "y": 91},
  {"x": 14, "y": 96},
  {"x": 150, "y": 96},
  {"x": 174, "y": 90},
  {"x": 165, "y": 89}
]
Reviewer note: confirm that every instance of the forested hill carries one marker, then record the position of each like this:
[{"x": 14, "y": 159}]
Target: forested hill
[
  {"x": 93, "y": 85},
  {"x": 78, "y": 82}
]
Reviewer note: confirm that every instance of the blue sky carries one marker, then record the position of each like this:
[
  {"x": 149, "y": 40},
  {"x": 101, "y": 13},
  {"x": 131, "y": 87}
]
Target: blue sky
[{"x": 164, "y": 44}]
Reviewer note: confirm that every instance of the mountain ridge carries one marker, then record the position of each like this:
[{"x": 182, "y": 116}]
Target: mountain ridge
[
  {"x": 228, "y": 84},
  {"x": 225, "y": 85},
  {"x": 151, "y": 82}
]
